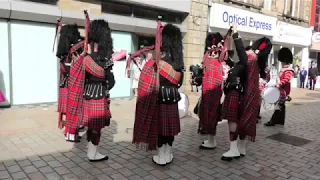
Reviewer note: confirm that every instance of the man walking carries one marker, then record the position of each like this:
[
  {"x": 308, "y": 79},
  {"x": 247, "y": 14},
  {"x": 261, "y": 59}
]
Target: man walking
[
  {"x": 303, "y": 74},
  {"x": 313, "y": 73}
]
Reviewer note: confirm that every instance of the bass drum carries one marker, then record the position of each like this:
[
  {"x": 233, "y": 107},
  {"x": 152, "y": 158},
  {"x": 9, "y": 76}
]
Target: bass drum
[
  {"x": 271, "y": 95},
  {"x": 183, "y": 105}
]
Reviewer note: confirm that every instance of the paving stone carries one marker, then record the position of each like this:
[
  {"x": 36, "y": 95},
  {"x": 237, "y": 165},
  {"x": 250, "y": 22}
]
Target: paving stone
[
  {"x": 30, "y": 169},
  {"x": 4, "y": 174},
  {"x": 18, "y": 175},
  {"x": 36, "y": 176}
]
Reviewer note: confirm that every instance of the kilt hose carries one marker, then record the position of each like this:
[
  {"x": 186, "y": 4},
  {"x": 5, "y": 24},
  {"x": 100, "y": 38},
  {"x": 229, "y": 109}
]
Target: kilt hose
[
  {"x": 169, "y": 121},
  {"x": 62, "y": 105},
  {"x": 231, "y": 107},
  {"x": 95, "y": 113}
]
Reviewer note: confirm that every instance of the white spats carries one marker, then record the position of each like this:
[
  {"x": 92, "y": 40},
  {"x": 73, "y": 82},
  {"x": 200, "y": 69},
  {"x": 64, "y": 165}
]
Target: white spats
[
  {"x": 93, "y": 154},
  {"x": 168, "y": 154},
  {"x": 211, "y": 143},
  {"x": 232, "y": 153},
  {"x": 242, "y": 147},
  {"x": 160, "y": 158}
]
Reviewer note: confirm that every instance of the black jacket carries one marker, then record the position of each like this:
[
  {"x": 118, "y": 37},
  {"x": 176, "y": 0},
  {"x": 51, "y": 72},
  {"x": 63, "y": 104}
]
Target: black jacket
[
  {"x": 236, "y": 75},
  {"x": 313, "y": 72}
]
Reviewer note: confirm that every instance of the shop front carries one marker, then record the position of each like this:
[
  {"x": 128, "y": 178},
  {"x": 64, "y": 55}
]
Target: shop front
[
  {"x": 315, "y": 53},
  {"x": 296, "y": 38},
  {"x": 251, "y": 25}
]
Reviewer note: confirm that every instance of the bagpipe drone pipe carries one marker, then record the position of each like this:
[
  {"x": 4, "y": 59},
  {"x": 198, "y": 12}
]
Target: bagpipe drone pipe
[{"x": 147, "y": 49}]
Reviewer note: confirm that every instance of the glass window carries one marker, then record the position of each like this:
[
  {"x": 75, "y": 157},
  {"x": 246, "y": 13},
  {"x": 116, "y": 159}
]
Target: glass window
[
  {"x": 316, "y": 27},
  {"x": 44, "y": 1},
  {"x": 114, "y": 8},
  {"x": 145, "y": 13},
  {"x": 318, "y": 2},
  {"x": 313, "y": 55},
  {"x": 317, "y": 19},
  {"x": 317, "y": 10}
]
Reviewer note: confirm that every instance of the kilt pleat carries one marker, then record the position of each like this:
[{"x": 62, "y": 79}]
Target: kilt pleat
[
  {"x": 231, "y": 106},
  {"x": 169, "y": 121},
  {"x": 95, "y": 113},
  {"x": 62, "y": 100}
]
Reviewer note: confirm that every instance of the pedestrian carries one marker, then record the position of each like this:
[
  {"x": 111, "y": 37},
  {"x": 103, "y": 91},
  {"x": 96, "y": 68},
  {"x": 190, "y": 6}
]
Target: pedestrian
[
  {"x": 157, "y": 116},
  {"x": 286, "y": 74},
  {"x": 303, "y": 75},
  {"x": 91, "y": 79},
  {"x": 69, "y": 36},
  {"x": 136, "y": 69},
  {"x": 244, "y": 106},
  {"x": 312, "y": 75}
]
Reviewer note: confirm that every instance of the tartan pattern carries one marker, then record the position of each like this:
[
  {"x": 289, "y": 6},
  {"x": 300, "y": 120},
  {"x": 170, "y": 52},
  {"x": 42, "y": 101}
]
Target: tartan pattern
[
  {"x": 93, "y": 68},
  {"x": 169, "y": 121},
  {"x": 211, "y": 95},
  {"x": 76, "y": 87},
  {"x": 145, "y": 132},
  {"x": 247, "y": 123},
  {"x": 167, "y": 71},
  {"x": 95, "y": 114},
  {"x": 62, "y": 100},
  {"x": 146, "y": 115},
  {"x": 231, "y": 107},
  {"x": 75, "y": 94}
]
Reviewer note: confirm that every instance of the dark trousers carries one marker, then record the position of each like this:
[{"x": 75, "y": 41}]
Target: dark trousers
[
  {"x": 302, "y": 81},
  {"x": 279, "y": 115},
  {"x": 312, "y": 83},
  {"x": 94, "y": 135},
  {"x": 162, "y": 140}
]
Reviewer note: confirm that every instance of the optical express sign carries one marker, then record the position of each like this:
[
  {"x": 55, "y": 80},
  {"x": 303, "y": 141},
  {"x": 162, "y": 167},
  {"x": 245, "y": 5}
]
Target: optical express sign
[{"x": 222, "y": 16}]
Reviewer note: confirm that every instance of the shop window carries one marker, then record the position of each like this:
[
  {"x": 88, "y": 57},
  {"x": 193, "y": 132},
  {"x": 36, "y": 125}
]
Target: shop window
[
  {"x": 313, "y": 55},
  {"x": 114, "y": 8},
  {"x": 317, "y": 19},
  {"x": 318, "y": 2}
]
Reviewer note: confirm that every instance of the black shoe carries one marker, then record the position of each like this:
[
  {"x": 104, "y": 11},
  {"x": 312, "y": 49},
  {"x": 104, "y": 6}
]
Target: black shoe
[
  {"x": 259, "y": 117},
  {"x": 270, "y": 123}
]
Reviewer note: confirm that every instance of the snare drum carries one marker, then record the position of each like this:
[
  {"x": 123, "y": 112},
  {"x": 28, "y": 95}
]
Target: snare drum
[
  {"x": 183, "y": 105},
  {"x": 271, "y": 95}
]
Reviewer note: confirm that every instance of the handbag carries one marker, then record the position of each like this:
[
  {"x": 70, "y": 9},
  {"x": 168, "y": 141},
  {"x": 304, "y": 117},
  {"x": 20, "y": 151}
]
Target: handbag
[{"x": 169, "y": 95}]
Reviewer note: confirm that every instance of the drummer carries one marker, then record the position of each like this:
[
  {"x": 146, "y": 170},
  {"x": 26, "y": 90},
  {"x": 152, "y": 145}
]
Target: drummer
[{"x": 286, "y": 73}]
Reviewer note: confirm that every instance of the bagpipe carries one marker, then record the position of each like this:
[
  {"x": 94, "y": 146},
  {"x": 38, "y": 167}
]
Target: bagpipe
[
  {"x": 223, "y": 49},
  {"x": 196, "y": 71}
]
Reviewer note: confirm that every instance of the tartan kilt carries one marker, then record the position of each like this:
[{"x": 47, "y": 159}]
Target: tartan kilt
[
  {"x": 62, "y": 100},
  {"x": 231, "y": 106},
  {"x": 95, "y": 113},
  {"x": 169, "y": 121}
]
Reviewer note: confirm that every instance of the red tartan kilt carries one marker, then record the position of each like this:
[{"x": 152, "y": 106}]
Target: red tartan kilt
[
  {"x": 231, "y": 106},
  {"x": 62, "y": 100},
  {"x": 169, "y": 121},
  {"x": 95, "y": 113}
]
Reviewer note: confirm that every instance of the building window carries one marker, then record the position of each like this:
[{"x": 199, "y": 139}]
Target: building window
[
  {"x": 114, "y": 8},
  {"x": 44, "y": 1},
  {"x": 144, "y": 12}
]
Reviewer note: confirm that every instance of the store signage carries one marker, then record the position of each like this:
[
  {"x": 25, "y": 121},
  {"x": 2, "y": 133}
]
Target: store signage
[
  {"x": 222, "y": 16},
  {"x": 315, "y": 45},
  {"x": 292, "y": 34}
]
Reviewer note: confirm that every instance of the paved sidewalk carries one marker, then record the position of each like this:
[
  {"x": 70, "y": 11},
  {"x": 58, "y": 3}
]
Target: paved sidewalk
[{"x": 31, "y": 147}]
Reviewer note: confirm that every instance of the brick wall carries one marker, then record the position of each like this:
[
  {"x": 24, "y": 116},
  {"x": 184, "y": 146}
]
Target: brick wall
[{"x": 194, "y": 39}]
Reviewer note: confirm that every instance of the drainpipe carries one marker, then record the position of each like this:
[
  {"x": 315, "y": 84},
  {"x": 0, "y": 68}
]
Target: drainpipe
[
  {"x": 293, "y": 7},
  {"x": 200, "y": 25},
  {"x": 285, "y": 7}
]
